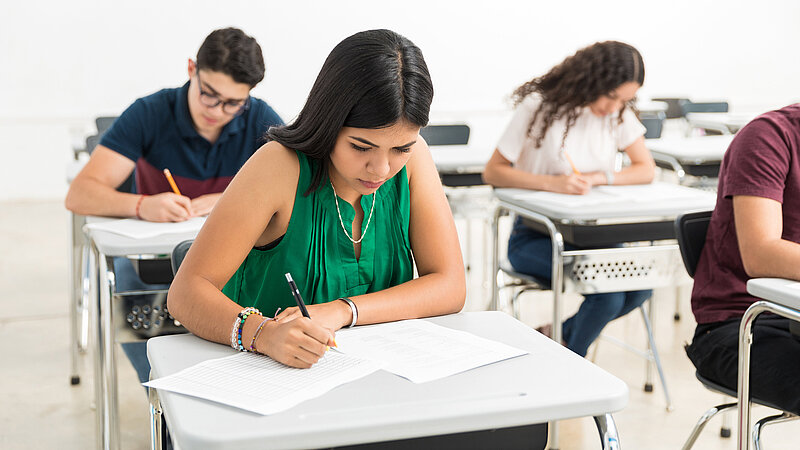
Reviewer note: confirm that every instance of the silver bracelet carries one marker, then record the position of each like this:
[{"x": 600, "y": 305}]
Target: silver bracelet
[
  {"x": 609, "y": 177},
  {"x": 353, "y": 309}
]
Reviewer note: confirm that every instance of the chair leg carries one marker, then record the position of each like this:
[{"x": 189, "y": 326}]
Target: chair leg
[
  {"x": 725, "y": 429},
  {"x": 704, "y": 420},
  {"x": 654, "y": 351},
  {"x": 769, "y": 420},
  {"x": 677, "y": 315}
]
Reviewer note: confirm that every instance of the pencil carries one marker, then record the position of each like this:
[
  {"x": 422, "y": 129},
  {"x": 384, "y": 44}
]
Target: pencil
[
  {"x": 171, "y": 182},
  {"x": 571, "y": 163}
]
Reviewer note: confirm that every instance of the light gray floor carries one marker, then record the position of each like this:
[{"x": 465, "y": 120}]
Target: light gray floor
[{"x": 41, "y": 409}]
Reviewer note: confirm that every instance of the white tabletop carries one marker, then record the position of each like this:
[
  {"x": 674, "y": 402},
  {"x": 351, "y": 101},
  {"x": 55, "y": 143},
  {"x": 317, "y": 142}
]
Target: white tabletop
[
  {"x": 112, "y": 244},
  {"x": 716, "y": 120},
  {"x": 651, "y": 106},
  {"x": 550, "y": 383},
  {"x": 777, "y": 290},
  {"x": 673, "y": 200},
  {"x": 485, "y": 129},
  {"x": 691, "y": 150}
]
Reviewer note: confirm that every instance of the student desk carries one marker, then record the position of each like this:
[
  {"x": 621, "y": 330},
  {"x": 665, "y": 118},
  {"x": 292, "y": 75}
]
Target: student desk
[
  {"x": 725, "y": 123},
  {"x": 780, "y": 297},
  {"x": 549, "y": 383},
  {"x": 606, "y": 267},
  {"x": 460, "y": 166},
  {"x": 651, "y": 106},
  {"x": 698, "y": 156},
  {"x": 104, "y": 247}
]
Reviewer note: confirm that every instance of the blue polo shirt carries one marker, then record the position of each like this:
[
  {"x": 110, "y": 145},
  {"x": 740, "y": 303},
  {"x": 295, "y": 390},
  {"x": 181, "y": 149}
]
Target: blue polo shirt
[{"x": 157, "y": 132}]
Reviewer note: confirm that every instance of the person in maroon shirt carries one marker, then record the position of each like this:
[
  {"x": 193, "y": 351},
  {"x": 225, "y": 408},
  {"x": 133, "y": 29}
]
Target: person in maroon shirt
[{"x": 754, "y": 232}]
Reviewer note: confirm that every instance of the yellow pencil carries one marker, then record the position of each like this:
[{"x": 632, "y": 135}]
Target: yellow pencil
[
  {"x": 171, "y": 182},
  {"x": 571, "y": 163}
]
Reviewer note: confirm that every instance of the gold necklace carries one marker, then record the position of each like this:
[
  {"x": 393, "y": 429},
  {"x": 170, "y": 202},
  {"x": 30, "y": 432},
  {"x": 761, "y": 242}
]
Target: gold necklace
[{"x": 341, "y": 222}]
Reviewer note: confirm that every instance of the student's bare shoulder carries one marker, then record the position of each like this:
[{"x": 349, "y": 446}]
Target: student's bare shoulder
[
  {"x": 274, "y": 157},
  {"x": 272, "y": 169},
  {"x": 420, "y": 159}
]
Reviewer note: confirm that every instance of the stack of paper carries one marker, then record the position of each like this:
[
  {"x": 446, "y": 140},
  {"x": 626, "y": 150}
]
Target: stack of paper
[
  {"x": 414, "y": 349},
  {"x": 142, "y": 229}
]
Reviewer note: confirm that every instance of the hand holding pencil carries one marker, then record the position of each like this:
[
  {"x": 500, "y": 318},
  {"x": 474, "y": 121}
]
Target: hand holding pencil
[{"x": 165, "y": 207}]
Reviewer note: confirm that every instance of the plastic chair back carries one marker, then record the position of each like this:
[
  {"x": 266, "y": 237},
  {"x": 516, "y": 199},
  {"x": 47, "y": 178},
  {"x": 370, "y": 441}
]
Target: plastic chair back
[
  {"x": 653, "y": 123},
  {"x": 445, "y": 134},
  {"x": 690, "y": 230},
  {"x": 178, "y": 253}
]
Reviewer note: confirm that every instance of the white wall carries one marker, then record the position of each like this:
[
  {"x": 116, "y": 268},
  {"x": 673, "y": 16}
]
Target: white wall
[{"x": 62, "y": 63}]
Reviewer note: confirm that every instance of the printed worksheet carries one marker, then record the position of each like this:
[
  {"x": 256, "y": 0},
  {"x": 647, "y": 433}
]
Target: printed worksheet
[
  {"x": 260, "y": 384},
  {"x": 422, "y": 351}
]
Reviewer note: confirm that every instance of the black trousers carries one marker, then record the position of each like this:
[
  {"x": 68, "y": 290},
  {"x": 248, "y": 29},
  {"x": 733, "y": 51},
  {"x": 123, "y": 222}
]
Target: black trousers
[{"x": 774, "y": 358}]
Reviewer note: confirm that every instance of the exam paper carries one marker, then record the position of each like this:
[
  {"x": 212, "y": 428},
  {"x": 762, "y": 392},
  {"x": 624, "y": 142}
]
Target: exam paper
[
  {"x": 422, "y": 351},
  {"x": 612, "y": 194},
  {"x": 260, "y": 384},
  {"x": 140, "y": 229}
]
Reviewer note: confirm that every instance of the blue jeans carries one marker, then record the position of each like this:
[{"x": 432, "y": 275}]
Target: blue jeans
[{"x": 530, "y": 252}]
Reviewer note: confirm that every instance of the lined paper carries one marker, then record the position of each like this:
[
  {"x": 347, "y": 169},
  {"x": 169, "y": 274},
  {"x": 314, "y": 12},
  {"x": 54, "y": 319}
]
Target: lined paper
[
  {"x": 612, "y": 194},
  {"x": 262, "y": 385},
  {"x": 421, "y": 351}
]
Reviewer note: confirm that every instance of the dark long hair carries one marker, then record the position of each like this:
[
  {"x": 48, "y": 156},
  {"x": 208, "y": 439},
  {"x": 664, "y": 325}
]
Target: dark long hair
[
  {"x": 578, "y": 81},
  {"x": 372, "y": 79},
  {"x": 232, "y": 52}
]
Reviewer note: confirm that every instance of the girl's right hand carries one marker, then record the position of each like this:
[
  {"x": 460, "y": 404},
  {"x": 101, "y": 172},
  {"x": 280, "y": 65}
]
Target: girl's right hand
[
  {"x": 297, "y": 343},
  {"x": 570, "y": 184}
]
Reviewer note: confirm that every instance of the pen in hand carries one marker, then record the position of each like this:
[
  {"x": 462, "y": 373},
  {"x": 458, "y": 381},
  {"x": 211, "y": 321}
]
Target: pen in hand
[{"x": 299, "y": 298}]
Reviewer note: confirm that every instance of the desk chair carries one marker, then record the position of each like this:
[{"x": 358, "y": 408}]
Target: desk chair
[
  {"x": 674, "y": 110},
  {"x": 150, "y": 271},
  {"x": 81, "y": 265},
  {"x": 524, "y": 282},
  {"x": 653, "y": 123},
  {"x": 689, "y": 106},
  {"x": 455, "y": 183},
  {"x": 691, "y": 229},
  {"x": 706, "y": 107}
]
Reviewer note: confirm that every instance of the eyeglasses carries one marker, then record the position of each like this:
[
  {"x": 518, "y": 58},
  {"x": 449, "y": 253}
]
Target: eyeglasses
[{"x": 231, "y": 107}]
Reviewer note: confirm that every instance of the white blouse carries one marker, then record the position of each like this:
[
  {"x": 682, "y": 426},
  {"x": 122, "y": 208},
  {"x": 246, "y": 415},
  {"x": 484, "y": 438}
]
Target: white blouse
[{"x": 592, "y": 142}]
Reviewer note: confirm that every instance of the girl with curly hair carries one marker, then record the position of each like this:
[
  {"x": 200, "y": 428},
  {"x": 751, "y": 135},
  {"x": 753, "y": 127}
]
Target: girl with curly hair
[{"x": 564, "y": 137}]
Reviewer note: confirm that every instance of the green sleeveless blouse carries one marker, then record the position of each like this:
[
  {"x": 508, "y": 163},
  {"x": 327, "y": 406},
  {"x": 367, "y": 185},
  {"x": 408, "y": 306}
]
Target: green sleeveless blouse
[{"x": 320, "y": 257}]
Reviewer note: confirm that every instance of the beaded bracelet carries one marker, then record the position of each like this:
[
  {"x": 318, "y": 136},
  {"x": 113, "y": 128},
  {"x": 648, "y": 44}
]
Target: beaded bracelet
[
  {"x": 258, "y": 332},
  {"x": 238, "y": 325},
  {"x": 245, "y": 315}
]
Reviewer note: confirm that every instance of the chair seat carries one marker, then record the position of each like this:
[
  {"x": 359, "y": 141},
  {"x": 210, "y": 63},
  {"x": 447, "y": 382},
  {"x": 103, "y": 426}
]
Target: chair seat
[
  {"x": 731, "y": 392},
  {"x": 505, "y": 266}
]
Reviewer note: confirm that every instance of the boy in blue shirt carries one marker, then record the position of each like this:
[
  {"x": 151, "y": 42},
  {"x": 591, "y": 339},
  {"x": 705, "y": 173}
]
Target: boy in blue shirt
[{"x": 203, "y": 132}]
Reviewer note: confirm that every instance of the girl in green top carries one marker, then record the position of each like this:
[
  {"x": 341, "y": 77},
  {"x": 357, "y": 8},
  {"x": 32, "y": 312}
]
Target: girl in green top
[{"x": 346, "y": 199}]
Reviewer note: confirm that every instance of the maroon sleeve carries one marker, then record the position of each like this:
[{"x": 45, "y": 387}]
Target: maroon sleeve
[{"x": 758, "y": 162}]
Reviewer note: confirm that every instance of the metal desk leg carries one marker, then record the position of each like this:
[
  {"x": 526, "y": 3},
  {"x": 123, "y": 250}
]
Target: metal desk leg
[
  {"x": 609, "y": 437},
  {"x": 495, "y": 259},
  {"x": 157, "y": 435},
  {"x": 105, "y": 375},
  {"x": 744, "y": 441},
  {"x": 77, "y": 251}
]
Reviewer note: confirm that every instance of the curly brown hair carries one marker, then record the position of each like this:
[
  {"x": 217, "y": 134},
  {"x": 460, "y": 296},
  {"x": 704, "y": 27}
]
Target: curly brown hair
[{"x": 579, "y": 80}]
